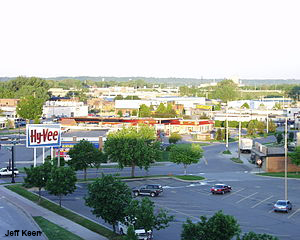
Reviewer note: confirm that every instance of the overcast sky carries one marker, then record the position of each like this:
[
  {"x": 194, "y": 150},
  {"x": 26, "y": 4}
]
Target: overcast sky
[{"x": 156, "y": 38}]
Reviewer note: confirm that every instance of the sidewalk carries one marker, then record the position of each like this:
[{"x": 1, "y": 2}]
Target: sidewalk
[{"x": 33, "y": 210}]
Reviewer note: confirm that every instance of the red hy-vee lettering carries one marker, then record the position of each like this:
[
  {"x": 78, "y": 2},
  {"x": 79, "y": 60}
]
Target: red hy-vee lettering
[{"x": 45, "y": 135}]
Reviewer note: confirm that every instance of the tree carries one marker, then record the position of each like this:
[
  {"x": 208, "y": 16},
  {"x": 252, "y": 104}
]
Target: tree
[
  {"x": 134, "y": 113},
  {"x": 161, "y": 108},
  {"x": 186, "y": 154},
  {"x": 61, "y": 182},
  {"x": 131, "y": 234},
  {"x": 245, "y": 105},
  {"x": 108, "y": 197},
  {"x": 277, "y": 106},
  {"x": 30, "y": 108},
  {"x": 272, "y": 126},
  {"x": 260, "y": 127},
  {"x": 133, "y": 147},
  {"x": 219, "y": 226},
  {"x": 37, "y": 176},
  {"x": 251, "y": 128},
  {"x": 257, "y": 236},
  {"x": 120, "y": 114},
  {"x": 144, "y": 111},
  {"x": 175, "y": 137},
  {"x": 84, "y": 155},
  {"x": 226, "y": 90},
  {"x": 219, "y": 135},
  {"x": 141, "y": 213},
  {"x": 279, "y": 137},
  {"x": 295, "y": 156}
]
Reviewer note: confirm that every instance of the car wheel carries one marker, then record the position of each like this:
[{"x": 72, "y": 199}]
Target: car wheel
[
  {"x": 223, "y": 192},
  {"x": 212, "y": 192},
  {"x": 152, "y": 194},
  {"x": 136, "y": 194}
]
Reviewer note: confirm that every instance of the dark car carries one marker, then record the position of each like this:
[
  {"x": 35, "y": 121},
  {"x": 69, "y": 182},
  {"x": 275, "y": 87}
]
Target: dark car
[
  {"x": 282, "y": 206},
  {"x": 220, "y": 188},
  {"x": 149, "y": 189}
]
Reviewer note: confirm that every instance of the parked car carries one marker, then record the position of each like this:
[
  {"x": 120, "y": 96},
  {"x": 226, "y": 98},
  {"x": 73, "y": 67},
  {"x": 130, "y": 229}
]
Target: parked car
[
  {"x": 8, "y": 171},
  {"x": 282, "y": 206},
  {"x": 220, "y": 188},
  {"x": 149, "y": 189},
  {"x": 141, "y": 234}
]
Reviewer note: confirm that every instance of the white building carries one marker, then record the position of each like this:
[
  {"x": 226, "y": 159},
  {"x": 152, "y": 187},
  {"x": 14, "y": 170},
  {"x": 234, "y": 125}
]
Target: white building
[{"x": 64, "y": 109}]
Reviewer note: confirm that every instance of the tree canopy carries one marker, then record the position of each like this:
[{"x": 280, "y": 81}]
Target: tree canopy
[
  {"x": 61, "y": 182},
  {"x": 142, "y": 214},
  {"x": 144, "y": 111},
  {"x": 30, "y": 108},
  {"x": 226, "y": 90},
  {"x": 295, "y": 156},
  {"x": 108, "y": 197},
  {"x": 84, "y": 155},
  {"x": 133, "y": 147},
  {"x": 186, "y": 154}
]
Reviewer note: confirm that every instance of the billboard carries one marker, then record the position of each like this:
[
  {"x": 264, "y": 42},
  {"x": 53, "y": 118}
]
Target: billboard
[{"x": 43, "y": 135}]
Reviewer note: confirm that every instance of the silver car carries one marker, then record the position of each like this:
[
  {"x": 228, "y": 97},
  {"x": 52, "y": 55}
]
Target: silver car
[{"x": 282, "y": 206}]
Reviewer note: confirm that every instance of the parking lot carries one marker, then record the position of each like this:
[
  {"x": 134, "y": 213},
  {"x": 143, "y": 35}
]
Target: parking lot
[{"x": 250, "y": 202}]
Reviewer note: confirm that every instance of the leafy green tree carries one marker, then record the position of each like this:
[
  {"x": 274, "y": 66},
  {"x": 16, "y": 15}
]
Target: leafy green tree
[
  {"x": 108, "y": 197},
  {"x": 142, "y": 214},
  {"x": 226, "y": 90},
  {"x": 131, "y": 234},
  {"x": 294, "y": 93},
  {"x": 295, "y": 156},
  {"x": 219, "y": 226},
  {"x": 120, "y": 114},
  {"x": 132, "y": 98},
  {"x": 161, "y": 108},
  {"x": 261, "y": 127},
  {"x": 170, "y": 110},
  {"x": 54, "y": 161},
  {"x": 175, "y": 137},
  {"x": 257, "y": 236},
  {"x": 134, "y": 113},
  {"x": 61, "y": 182},
  {"x": 245, "y": 105},
  {"x": 219, "y": 135},
  {"x": 272, "y": 126},
  {"x": 186, "y": 154},
  {"x": 144, "y": 111},
  {"x": 277, "y": 106},
  {"x": 37, "y": 177},
  {"x": 119, "y": 97},
  {"x": 279, "y": 137},
  {"x": 133, "y": 147},
  {"x": 217, "y": 107},
  {"x": 251, "y": 128},
  {"x": 30, "y": 107},
  {"x": 84, "y": 155}
]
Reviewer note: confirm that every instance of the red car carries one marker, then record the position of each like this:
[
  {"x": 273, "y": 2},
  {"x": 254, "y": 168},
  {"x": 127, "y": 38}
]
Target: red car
[{"x": 220, "y": 188}]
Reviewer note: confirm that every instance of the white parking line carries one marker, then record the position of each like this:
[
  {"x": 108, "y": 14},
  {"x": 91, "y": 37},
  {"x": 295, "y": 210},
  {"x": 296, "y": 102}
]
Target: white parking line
[
  {"x": 261, "y": 202},
  {"x": 232, "y": 193},
  {"x": 294, "y": 213},
  {"x": 246, "y": 197},
  {"x": 206, "y": 194}
]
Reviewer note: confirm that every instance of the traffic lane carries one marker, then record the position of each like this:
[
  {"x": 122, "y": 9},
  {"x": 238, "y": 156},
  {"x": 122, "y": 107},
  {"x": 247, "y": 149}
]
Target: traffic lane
[{"x": 12, "y": 218}]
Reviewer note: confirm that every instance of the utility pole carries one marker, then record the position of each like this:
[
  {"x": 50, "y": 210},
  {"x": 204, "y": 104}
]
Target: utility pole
[
  {"x": 267, "y": 122},
  {"x": 226, "y": 129},
  {"x": 239, "y": 150},
  {"x": 285, "y": 162},
  {"x": 13, "y": 163}
]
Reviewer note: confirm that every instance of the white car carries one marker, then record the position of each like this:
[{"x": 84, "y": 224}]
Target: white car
[{"x": 8, "y": 172}]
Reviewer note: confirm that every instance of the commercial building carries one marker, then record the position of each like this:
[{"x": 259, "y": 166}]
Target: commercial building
[{"x": 64, "y": 109}]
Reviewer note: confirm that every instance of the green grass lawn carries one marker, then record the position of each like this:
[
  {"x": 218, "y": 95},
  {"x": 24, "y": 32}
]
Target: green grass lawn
[
  {"x": 65, "y": 213},
  {"x": 226, "y": 152},
  {"x": 281, "y": 174},
  {"x": 53, "y": 231},
  {"x": 189, "y": 177},
  {"x": 236, "y": 160}
]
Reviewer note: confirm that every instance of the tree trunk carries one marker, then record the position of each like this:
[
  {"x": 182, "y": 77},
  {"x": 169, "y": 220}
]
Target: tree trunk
[
  {"x": 84, "y": 173},
  {"x": 60, "y": 200},
  {"x": 114, "y": 227},
  {"x": 132, "y": 170},
  {"x": 185, "y": 167},
  {"x": 39, "y": 195}
]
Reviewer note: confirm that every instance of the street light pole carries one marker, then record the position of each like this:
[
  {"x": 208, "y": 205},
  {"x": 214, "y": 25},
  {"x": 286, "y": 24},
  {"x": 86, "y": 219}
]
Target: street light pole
[
  {"x": 267, "y": 123},
  {"x": 285, "y": 162},
  {"x": 226, "y": 129},
  {"x": 239, "y": 150}
]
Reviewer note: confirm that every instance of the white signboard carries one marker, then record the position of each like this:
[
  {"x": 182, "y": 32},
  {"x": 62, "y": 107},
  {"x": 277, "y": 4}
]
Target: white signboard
[{"x": 43, "y": 135}]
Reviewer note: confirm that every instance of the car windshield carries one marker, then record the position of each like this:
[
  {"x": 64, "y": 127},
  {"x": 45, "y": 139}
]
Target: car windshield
[
  {"x": 281, "y": 203},
  {"x": 219, "y": 186}
]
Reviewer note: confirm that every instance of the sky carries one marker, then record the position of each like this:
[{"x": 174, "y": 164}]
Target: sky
[{"x": 247, "y": 39}]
